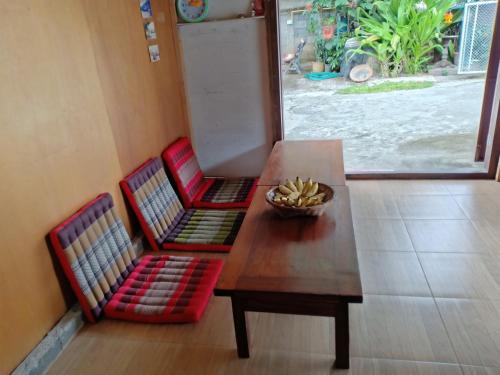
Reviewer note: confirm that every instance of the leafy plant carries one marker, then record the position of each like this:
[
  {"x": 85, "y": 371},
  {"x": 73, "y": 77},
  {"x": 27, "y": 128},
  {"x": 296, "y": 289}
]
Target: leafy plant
[
  {"x": 334, "y": 51},
  {"x": 331, "y": 22},
  {"x": 401, "y": 37}
]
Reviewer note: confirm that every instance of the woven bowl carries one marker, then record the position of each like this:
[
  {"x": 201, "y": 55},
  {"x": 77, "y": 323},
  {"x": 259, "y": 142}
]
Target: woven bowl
[{"x": 317, "y": 210}]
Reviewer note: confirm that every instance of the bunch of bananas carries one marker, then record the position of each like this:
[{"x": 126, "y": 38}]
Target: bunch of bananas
[{"x": 299, "y": 193}]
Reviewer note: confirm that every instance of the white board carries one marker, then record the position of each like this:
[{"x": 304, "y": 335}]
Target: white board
[{"x": 227, "y": 84}]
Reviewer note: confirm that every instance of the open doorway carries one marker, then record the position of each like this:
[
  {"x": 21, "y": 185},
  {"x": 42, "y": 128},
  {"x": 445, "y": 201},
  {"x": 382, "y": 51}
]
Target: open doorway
[{"x": 418, "y": 108}]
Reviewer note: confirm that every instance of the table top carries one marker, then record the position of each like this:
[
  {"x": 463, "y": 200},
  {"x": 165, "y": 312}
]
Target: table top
[
  {"x": 304, "y": 255},
  {"x": 323, "y": 161}
]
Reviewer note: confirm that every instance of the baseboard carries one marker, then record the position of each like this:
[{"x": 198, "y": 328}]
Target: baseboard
[{"x": 42, "y": 356}]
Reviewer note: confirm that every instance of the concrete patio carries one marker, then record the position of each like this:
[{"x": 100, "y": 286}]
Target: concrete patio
[{"x": 430, "y": 129}]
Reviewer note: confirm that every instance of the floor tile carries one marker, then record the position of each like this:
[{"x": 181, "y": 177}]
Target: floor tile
[
  {"x": 405, "y": 328},
  {"x": 480, "y": 370},
  {"x": 369, "y": 206},
  {"x": 298, "y": 333},
  {"x": 446, "y": 236},
  {"x": 368, "y": 366},
  {"x": 479, "y": 206},
  {"x": 470, "y": 187},
  {"x": 474, "y": 330},
  {"x": 452, "y": 275},
  {"x": 429, "y": 207},
  {"x": 489, "y": 231},
  {"x": 398, "y": 187},
  {"x": 393, "y": 273},
  {"x": 382, "y": 234},
  {"x": 214, "y": 329}
]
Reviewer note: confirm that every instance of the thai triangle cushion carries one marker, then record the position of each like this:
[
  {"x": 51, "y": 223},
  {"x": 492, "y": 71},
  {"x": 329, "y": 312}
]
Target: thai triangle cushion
[
  {"x": 95, "y": 252},
  {"x": 182, "y": 162},
  {"x": 108, "y": 279},
  {"x": 166, "y": 223},
  {"x": 201, "y": 192}
]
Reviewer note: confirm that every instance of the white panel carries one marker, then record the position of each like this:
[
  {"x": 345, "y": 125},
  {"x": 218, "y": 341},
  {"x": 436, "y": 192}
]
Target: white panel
[{"x": 227, "y": 84}]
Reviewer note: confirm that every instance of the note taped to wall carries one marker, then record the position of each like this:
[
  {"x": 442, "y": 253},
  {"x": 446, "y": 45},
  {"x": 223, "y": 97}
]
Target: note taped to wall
[
  {"x": 146, "y": 10},
  {"x": 154, "y": 52}
]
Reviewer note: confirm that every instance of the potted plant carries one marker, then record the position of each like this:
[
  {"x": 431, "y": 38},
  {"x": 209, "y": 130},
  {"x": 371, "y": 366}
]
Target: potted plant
[{"x": 319, "y": 49}]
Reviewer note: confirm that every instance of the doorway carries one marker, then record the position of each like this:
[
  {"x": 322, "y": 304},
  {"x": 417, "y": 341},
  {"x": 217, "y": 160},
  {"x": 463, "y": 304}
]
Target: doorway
[{"x": 429, "y": 119}]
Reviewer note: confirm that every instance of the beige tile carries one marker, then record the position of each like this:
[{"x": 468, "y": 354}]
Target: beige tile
[
  {"x": 470, "y": 187},
  {"x": 446, "y": 236},
  {"x": 429, "y": 207},
  {"x": 480, "y": 206},
  {"x": 398, "y": 187},
  {"x": 369, "y": 206},
  {"x": 453, "y": 275},
  {"x": 479, "y": 370},
  {"x": 382, "y": 234},
  {"x": 367, "y": 366},
  {"x": 393, "y": 273},
  {"x": 474, "y": 330},
  {"x": 298, "y": 333},
  {"x": 489, "y": 231},
  {"x": 405, "y": 328},
  {"x": 214, "y": 328}
]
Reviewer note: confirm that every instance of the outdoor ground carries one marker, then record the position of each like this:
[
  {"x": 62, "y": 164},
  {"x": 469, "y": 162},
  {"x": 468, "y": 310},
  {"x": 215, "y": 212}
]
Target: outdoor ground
[{"x": 429, "y": 129}]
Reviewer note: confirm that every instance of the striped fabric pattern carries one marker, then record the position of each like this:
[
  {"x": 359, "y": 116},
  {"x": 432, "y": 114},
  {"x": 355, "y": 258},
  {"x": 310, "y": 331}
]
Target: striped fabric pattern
[
  {"x": 201, "y": 192},
  {"x": 188, "y": 174},
  {"x": 166, "y": 289},
  {"x": 210, "y": 227},
  {"x": 167, "y": 224},
  {"x": 156, "y": 199},
  {"x": 97, "y": 251},
  {"x": 228, "y": 190}
]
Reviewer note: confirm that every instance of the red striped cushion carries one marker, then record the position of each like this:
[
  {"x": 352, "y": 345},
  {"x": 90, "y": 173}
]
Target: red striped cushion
[
  {"x": 181, "y": 161},
  {"x": 166, "y": 289},
  {"x": 201, "y": 192}
]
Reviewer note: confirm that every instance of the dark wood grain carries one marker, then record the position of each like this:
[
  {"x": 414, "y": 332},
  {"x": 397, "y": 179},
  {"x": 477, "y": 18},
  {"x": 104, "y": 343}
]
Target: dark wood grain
[
  {"x": 273, "y": 55},
  {"x": 306, "y": 255},
  {"x": 323, "y": 161}
]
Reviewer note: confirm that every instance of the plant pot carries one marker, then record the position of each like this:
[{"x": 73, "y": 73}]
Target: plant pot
[{"x": 318, "y": 67}]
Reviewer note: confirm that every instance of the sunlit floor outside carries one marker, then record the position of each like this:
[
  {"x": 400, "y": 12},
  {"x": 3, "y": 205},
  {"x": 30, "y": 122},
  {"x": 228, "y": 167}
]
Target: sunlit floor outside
[{"x": 424, "y": 130}]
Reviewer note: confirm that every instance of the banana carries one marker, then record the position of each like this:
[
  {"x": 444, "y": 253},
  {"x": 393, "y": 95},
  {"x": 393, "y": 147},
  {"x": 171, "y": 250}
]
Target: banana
[
  {"x": 289, "y": 184},
  {"x": 313, "y": 190},
  {"x": 319, "y": 197},
  {"x": 299, "y": 184},
  {"x": 299, "y": 194},
  {"x": 285, "y": 190}
]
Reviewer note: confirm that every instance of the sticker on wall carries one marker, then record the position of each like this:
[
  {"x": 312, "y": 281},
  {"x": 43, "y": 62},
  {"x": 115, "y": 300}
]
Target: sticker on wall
[
  {"x": 146, "y": 10},
  {"x": 154, "y": 52},
  {"x": 149, "y": 30}
]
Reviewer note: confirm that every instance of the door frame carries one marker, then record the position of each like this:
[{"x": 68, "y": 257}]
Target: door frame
[{"x": 490, "y": 115}]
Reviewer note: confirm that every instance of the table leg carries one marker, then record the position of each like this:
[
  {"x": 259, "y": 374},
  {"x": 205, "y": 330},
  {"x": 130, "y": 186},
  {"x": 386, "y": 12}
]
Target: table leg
[
  {"x": 240, "y": 328},
  {"x": 342, "y": 336}
]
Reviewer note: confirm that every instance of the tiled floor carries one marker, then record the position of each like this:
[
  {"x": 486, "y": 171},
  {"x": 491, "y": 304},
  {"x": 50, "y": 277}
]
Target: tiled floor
[{"x": 429, "y": 254}]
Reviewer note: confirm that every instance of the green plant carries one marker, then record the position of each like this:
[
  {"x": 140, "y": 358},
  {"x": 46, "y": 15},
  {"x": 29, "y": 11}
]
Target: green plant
[
  {"x": 334, "y": 51},
  {"x": 341, "y": 17},
  {"x": 401, "y": 37},
  {"x": 385, "y": 87}
]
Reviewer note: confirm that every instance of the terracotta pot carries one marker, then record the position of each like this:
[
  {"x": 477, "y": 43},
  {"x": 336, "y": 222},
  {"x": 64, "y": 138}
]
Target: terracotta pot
[{"x": 318, "y": 67}]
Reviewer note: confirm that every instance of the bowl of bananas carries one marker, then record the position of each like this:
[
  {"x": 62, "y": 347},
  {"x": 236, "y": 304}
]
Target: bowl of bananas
[{"x": 300, "y": 198}]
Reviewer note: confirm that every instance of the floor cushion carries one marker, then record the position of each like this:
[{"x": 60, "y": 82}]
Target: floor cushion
[
  {"x": 166, "y": 224},
  {"x": 100, "y": 263},
  {"x": 199, "y": 191}
]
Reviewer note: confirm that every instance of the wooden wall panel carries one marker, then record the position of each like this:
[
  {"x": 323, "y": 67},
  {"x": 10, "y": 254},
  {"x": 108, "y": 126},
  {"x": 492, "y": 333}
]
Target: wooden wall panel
[
  {"x": 80, "y": 105},
  {"x": 145, "y": 100}
]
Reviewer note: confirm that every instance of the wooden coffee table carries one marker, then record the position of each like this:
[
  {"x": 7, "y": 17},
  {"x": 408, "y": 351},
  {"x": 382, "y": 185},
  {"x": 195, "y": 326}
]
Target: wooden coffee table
[{"x": 304, "y": 266}]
